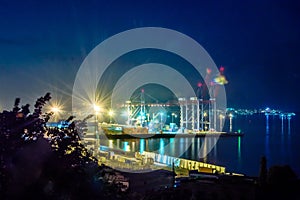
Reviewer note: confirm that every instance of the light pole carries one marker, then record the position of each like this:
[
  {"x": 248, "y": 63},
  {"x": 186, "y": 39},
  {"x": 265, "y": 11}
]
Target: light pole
[
  {"x": 111, "y": 114},
  {"x": 230, "y": 122},
  {"x": 97, "y": 110},
  {"x": 221, "y": 120},
  {"x": 205, "y": 115},
  {"x": 173, "y": 114}
]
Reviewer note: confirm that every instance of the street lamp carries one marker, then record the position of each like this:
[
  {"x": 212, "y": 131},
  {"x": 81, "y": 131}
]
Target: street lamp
[
  {"x": 173, "y": 114},
  {"x": 221, "y": 120},
  {"x": 111, "y": 114},
  {"x": 205, "y": 122},
  {"x": 230, "y": 122},
  {"x": 97, "y": 109}
]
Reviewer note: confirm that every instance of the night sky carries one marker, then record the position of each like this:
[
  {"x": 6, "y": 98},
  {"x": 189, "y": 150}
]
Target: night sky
[{"x": 43, "y": 43}]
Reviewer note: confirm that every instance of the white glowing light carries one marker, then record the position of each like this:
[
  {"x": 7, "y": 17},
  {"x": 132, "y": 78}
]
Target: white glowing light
[
  {"x": 111, "y": 112},
  {"x": 56, "y": 109},
  {"x": 97, "y": 108}
]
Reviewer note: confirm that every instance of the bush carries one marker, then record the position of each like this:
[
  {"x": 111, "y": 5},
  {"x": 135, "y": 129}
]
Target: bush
[{"x": 38, "y": 162}]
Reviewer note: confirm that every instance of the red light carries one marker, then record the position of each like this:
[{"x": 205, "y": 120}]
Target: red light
[
  {"x": 222, "y": 68},
  {"x": 208, "y": 71},
  {"x": 142, "y": 90},
  {"x": 199, "y": 84}
]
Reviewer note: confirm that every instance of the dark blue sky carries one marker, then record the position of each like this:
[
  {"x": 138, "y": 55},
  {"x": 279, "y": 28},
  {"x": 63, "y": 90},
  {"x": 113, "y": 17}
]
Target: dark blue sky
[{"x": 42, "y": 44}]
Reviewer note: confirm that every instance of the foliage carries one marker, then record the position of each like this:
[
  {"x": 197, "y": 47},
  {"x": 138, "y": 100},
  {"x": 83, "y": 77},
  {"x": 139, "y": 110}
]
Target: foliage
[{"x": 37, "y": 161}]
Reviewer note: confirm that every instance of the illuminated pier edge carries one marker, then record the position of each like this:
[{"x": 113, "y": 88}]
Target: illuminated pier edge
[
  {"x": 184, "y": 163},
  {"x": 136, "y": 161}
]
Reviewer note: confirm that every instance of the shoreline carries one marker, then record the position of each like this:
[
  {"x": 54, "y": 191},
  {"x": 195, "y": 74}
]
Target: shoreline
[{"x": 172, "y": 135}]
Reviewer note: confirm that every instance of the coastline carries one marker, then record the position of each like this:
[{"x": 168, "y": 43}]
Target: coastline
[{"x": 172, "y": 135}]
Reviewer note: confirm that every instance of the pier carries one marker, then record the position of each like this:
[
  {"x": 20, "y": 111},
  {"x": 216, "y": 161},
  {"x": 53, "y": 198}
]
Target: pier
[
  {"x": 149, "y": 161},
  {"x": 173, "y": 135}
]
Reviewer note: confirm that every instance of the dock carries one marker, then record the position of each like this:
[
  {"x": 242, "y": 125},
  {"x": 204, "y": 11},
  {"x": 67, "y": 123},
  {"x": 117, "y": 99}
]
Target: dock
[{"x": 173, "y": 135}]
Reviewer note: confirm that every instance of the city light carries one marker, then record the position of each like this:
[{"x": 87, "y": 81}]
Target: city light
[
  {"x": 230, "y": 122},
  {"x": 110, "y": 114},
  {"x": 221, "y": 121},
  {"x": 97, "y": 108},
  {"x": 55, "y": 109},
  {"x": 173, "y": 115}
]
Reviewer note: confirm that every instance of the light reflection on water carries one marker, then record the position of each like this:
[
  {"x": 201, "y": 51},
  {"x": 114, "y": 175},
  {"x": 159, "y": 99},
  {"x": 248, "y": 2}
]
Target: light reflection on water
[
  {"x": 278, "y": 141},
  {"x": 142, "y": 145},
  {"x": 239, "y": 152},
  {"x": 168, "y": 146}
]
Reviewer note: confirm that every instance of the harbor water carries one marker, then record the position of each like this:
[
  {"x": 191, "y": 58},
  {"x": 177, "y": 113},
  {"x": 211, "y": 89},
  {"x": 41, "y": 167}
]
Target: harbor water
[{"x": 277, "y": 139}]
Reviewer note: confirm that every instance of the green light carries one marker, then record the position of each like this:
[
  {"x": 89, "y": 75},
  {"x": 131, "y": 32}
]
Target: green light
[
  {"x": 239, "y": 131},
  {"x": 239, "y": 148}
]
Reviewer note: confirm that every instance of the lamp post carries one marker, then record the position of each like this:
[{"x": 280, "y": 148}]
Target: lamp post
[
  {"x": 111, "y": 114},
  {"x": 205, "y": 122},
  {"x": 97, "y": 110},
  {"x": 173, "y": 114},
  {"x": 221, "y": 121},
  {"x": 230, "y": 122}
]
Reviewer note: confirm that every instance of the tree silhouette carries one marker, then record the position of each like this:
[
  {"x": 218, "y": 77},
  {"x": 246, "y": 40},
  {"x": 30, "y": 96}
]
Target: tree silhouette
[{"x": 37, "y": 161}]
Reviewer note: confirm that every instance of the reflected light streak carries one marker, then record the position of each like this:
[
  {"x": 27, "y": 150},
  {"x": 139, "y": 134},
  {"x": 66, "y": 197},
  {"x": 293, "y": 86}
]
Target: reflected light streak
[
  {"x": 267, "y": 123},
  {"x": 215, "y": 148},
  {"x": 161, "y": 146},
  {"x": 142, "y": 145},
  {"x": 239, "y": 148},
  {"x": 172, "y": 146},
  {"x": 204, "y": 156},
  {"x": 282, "y": 125},
  {"x": 133, "y": 146},
  {"x": 289, "y": 146},
  {"x": 193, "y": 148},
  {"x": 110, "y": 143},
  {"x": 125, "y": 146},
  {"x": 181, "y": 147},
  {"x": 267, "y": 147},
  {"x": 289, "y": 125},
  {"x": 118, "y": 144}
]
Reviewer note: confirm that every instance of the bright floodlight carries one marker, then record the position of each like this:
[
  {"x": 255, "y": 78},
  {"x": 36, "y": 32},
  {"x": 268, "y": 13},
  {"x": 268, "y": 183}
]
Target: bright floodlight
[
  {"x": 96, "y": 107},
  {"x": 111, "y": 113},
  {"x": 55, "y": 109}
]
